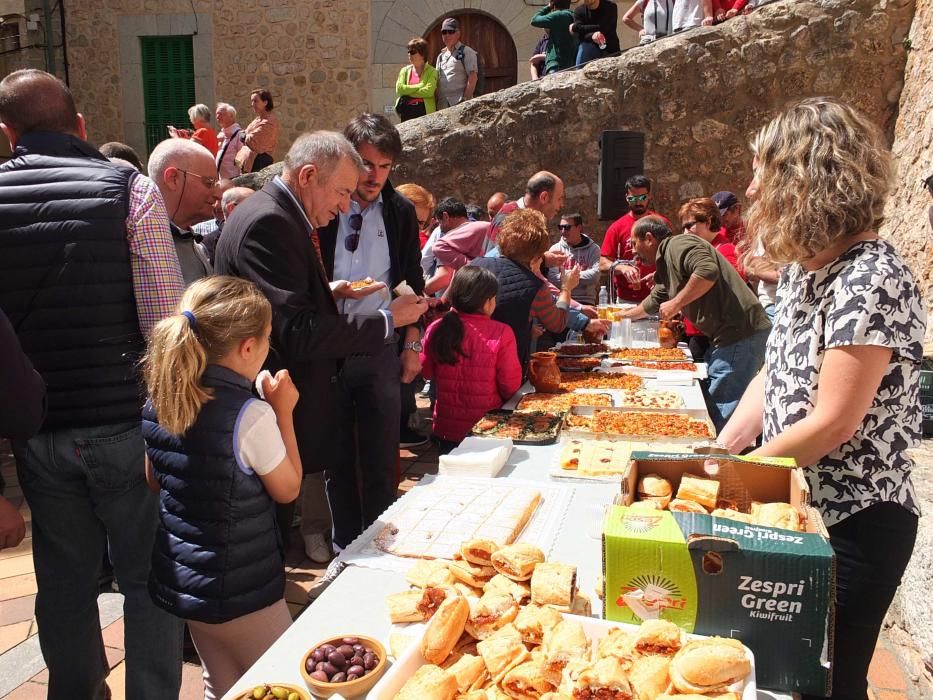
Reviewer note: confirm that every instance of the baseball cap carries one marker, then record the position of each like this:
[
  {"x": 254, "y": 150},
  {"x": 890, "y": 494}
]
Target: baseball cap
[
  {"x": 451, "y": 24},
  {"x": 724, "y": 200}
]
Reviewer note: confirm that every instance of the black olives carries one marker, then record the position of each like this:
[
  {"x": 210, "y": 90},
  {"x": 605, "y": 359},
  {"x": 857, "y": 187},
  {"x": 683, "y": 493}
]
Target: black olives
[{"x": 343, "y": 660}]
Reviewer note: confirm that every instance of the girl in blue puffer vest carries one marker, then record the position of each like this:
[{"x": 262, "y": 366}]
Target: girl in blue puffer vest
[{"x": 221, "y": 459}]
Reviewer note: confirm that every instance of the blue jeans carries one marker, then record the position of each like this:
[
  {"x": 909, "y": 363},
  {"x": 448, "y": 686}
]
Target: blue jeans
[
  {"x": 731, "y": 369},
  {"x": 588, "y": 51},
  {"x": 85, "y": 487}
]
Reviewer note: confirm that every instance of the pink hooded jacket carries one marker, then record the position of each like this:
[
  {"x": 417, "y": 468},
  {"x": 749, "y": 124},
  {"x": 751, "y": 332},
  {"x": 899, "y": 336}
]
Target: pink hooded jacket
[{"x": 485, "y": 377}]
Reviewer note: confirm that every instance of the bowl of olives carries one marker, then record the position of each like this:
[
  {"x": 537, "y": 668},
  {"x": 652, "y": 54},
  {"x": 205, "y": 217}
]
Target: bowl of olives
[
  {"x": 274, "y": 691},
  {"x": 348, "y": 665}
]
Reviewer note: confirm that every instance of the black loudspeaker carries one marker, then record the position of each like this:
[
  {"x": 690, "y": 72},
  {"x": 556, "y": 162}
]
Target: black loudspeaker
[{"x": 621, "y": 155}]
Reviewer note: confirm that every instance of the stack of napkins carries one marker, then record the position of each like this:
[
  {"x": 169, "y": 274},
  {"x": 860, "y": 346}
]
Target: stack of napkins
[{"x": 476, "y": 456}]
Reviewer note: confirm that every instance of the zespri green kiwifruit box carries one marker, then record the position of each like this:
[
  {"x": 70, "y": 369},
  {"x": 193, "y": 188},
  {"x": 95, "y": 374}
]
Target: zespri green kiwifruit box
[{"x": 773, "y": 589}]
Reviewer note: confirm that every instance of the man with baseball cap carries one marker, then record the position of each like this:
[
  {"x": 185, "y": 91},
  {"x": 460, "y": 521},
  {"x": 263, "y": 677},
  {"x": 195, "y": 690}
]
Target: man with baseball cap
[
  {"x": 457, "y": 67},
  {"x": 730, "y": 212}
]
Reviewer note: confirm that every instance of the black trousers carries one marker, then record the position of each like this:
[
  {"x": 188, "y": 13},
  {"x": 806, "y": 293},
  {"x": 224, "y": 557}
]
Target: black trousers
[
  {"x": 369, "y": 408},
  {"x": 872, "y": 549}
]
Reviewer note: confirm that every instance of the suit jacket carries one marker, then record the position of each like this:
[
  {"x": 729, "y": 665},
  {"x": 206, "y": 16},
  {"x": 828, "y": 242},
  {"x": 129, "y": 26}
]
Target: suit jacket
[
  {"x": 401, "y": 223},
  {"x": 266, "y": 240}
]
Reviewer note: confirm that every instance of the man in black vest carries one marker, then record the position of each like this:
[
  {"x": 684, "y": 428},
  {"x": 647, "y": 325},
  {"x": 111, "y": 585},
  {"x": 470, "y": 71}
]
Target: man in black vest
[
  {"x": 87, "y": 267},
  {"x": 377, "y": 238}
]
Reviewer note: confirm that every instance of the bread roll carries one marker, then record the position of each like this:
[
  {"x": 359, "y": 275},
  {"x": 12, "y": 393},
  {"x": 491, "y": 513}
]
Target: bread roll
[
  {"x": 699, "y": 490},
  {"x": 471, "y": 574},
  {"x": 658, "y": 637},
  {"x": 526, "y": 682},
  {"x": 782, "y": 515},
  {"x": 478, "y": 551},
  {"x": 466, "y": 670},
  {"x": 444, "y": 629},
  {"x": 686, "y": 506},
  {"x": 605, "y": 680},
  {"x": 707, "y": 666},
  {"x": 649, "y": 676},
  {"x": 492, "y": 612},
  {"x": 519, "y": 590},
  {"x": 517, "y": 561},
  {"x": 555, "y": 584},
  {"x": 534, "y": 620}
]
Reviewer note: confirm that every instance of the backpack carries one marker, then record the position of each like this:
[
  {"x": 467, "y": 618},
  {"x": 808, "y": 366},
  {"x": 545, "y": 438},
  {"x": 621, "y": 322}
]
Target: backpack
[{"x": 480, "y": 70}]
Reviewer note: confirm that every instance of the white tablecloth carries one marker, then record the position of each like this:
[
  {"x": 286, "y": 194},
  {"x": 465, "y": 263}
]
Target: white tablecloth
[{"x": 355, "y": 602}]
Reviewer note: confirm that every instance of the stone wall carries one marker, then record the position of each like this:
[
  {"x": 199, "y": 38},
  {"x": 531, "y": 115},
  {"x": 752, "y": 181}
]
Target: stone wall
[
  {"x": 697, "y": 97},
  {"x": 312, "y": 54},
  {"x": 907, "y": 222}
]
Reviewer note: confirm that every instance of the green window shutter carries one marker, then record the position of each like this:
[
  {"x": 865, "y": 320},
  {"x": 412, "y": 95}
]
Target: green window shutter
[{"x": 168, "y": 84}]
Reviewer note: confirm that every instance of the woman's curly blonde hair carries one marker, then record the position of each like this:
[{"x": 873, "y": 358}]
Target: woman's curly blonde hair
[{"x": 823, "y": 172}]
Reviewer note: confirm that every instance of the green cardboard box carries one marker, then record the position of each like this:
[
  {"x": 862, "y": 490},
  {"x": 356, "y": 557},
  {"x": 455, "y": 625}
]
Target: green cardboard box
[{"x": 771, "y": 588}]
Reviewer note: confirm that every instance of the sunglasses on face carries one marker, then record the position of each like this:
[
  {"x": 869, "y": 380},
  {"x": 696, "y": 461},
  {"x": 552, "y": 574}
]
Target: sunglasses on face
[
  {"x": 449, "y": 31},
  {"x": 632, "y": 198},
  {"x": 564, "y": 227},
  {"x": 690, "y": 224},
  {"x": 352, "y": 242}
]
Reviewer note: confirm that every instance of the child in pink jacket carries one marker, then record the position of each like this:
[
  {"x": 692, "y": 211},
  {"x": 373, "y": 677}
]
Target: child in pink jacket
[{"x": 471, "y": 359}]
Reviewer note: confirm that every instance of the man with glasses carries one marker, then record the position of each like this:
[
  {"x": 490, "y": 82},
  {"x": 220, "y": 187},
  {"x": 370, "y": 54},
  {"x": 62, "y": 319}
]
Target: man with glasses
[
  {"x": 457, "y": 67},
  {"x": 577, "y": 248},
  {"x": 186, "y": 176},
  {"x": 87, "y": 269},
  {"x": 377, "y": 238},
  {"x": 730, "y": 214},
  {"x": 632, "y": 282}
]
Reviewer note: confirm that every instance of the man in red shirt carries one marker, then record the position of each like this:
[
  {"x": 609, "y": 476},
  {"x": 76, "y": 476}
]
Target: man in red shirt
[
  {"x": 730, "y": 214},
  {"x": 630, "y": 284}
]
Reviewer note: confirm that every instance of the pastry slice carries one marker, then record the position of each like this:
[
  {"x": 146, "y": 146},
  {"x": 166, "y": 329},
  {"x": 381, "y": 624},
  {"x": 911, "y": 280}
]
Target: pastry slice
[
  {"x": 430, "y": 601},
  {"x": 554, "y": 584},
  {"x": 649, "y": 676},
  {"x": 564, "y": 643},
  {"x": 582, "y": 605},
  {"x": 534, "y": 621},
  {"x": 492, "y": 612},
  {"x": 502, "y": 652},
  {"x": 619, "y": 644},
  {"x": 429, "y": 683},
  {"x": 699, "y": 490},
  {"x": 444, "y": 629},
  {"x": 683, "y": 506},
  {"x": 478, "y": 551},
  {"x": 517, "y": 561},
  {"x": 658, "y": 637},
  {"x": 467, "y": 669},
  {"x": 733, "y": 515},
  {"x": 403, "y": 607},
  {"x": 418, "y": 575},
  {"x": 475, "y": 575},
  {"x": 520, "y": 591},
  {"x": 526, "y": 682},
  {"x": 605, "y": 680},
  {"x": 782, "y": 515},
  {"x": 707, "y": 666}
]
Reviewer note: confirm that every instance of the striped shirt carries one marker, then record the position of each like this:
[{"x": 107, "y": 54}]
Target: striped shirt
[
  {"x": 551, "y": 315},
  {"x": 157, "y": 280}
]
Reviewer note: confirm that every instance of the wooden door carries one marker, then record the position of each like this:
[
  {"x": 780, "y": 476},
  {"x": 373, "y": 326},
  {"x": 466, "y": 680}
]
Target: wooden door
[{"x": 489, "y": 39}]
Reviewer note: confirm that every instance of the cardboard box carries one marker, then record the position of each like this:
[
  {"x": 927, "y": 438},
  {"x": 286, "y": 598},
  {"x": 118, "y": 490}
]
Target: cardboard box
[{"x": 772, "y": 589}]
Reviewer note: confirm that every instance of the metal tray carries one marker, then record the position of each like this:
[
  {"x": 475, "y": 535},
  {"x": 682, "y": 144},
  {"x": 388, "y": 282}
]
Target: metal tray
[
  {"x": 549, "y": 439},
  {"x": 699, "y": 414}
]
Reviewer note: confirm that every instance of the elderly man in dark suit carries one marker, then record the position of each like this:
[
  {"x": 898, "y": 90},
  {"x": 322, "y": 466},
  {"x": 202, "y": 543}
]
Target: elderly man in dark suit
[{"x": 271, "y": 239}]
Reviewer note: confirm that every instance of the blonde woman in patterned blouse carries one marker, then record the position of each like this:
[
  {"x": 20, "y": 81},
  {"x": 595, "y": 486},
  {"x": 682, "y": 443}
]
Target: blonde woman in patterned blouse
[{"x": 850, "y": 324}]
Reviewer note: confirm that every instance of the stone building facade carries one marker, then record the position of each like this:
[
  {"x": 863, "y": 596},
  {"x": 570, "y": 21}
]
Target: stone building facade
[{"x": 323, "y": 60}]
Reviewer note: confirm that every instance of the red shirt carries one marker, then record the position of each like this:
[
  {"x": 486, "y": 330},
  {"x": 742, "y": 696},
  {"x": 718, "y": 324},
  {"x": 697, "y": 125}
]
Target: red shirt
[
  {"x": 736, "y": 234},
  {"x": 207, "y": 138},
  {"x": 617, "y": 245}
]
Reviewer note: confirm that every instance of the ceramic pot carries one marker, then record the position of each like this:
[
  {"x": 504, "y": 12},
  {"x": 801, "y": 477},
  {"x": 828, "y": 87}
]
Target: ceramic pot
[
  {"x": 544, "y": 372},
  {"x": 668, "y": 332}
]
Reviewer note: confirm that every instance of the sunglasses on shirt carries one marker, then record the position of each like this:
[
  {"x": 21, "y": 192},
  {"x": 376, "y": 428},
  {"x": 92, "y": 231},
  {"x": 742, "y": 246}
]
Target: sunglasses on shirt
[
  {"x": 352, "y": 242},
  {"x": 636, "y": 198}
]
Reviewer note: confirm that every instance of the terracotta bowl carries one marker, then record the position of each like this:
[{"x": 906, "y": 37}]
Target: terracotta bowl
[
  {"x": 247, "y": 693},
  {"x": 347, "y": 689}
]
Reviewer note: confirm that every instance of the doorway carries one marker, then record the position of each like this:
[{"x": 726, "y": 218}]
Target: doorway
[{"x": 484, "y": 34}]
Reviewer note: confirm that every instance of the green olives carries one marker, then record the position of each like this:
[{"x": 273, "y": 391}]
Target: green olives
[{"x": 259, "y": 692}]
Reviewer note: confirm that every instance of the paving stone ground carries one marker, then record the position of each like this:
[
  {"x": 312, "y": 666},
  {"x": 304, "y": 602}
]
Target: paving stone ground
[{"x": 23, "y": 675}]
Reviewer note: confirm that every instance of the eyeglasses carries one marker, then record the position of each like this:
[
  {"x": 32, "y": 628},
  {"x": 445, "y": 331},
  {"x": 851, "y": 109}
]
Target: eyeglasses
[
  {"x": 208, "y": 182},
  {"x": 565, "y": 227},
  {"x": 631, "y": 198},
  {"x": 352, "y": 242},
  {"x": 449, "y": 31},
  {"x": 689, "y": 225}
]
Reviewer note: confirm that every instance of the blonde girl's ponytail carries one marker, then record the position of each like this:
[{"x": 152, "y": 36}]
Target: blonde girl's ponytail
[{"x": 214, "y": 316}]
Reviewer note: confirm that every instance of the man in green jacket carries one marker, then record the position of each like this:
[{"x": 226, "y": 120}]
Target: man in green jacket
[
  {"x": 562, "y": 50},
  {"x": 692, "y": 278}
]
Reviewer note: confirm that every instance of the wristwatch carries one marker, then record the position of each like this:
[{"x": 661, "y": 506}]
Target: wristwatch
[{"x": 416, "y": 346}]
